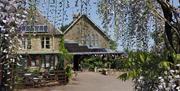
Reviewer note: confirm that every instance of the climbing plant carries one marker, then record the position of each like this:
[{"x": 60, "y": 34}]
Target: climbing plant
[{"x": 63, "y": 54}]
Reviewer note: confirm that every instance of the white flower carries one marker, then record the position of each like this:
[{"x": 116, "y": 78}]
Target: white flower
[
  {"x": 24, "y": 16},
  {"x": 170, "y": 77},
  {"x": 19, "y": 64},
  {"x": 6, "y": 35},
  {"x": 171, "y": 81},
  {"x": 25, "y": 12},
  {"x": 141, "y": 77},
  {"x": 165, "y": 72},
  {"x": 9, "y": 73},
  {"x": 167, "y": 89},
  {"x": 178, "y": 65},
  {"x": 4, "y": 21},
  {"x": 177, "y": 76},
  {"x": 160, "y": 77},
  {"x": 178, "y": 88},
  {"x": 160, "y": 86},
  {"x": 7, "y": 56},
  {"x": 139, "y": 80},
  {"x": 5, "y": 51},
  {"x": 174, "y": 85},
  {"x": 176, "y": 71},
  {"x": 172, "y": 71},
  {"x": 161, "y": 80}
]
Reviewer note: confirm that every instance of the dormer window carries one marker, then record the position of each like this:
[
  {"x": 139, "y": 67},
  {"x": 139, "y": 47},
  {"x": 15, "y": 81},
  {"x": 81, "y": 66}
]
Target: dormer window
[{"x": 45, "y": 42}]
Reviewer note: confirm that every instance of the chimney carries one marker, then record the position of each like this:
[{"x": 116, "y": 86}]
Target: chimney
[{"x": 75, "y": 16}]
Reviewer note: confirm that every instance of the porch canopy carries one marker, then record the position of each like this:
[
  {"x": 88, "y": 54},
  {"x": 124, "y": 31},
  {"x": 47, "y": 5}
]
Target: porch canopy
[
  {"x": 76, "y": 49},
  {"x": 97, "y": 53}
]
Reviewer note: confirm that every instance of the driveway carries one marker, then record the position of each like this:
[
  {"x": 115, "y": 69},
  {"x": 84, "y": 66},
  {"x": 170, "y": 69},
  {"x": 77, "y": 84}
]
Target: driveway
[{"x": 90, "y": 81}]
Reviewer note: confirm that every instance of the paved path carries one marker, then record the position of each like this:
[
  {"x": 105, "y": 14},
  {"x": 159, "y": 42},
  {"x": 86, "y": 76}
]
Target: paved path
[{"x": 89, "y": 81}]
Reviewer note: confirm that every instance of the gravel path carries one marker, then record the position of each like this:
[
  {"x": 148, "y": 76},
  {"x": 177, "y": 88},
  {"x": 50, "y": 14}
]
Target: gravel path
[{"x": 89, "y": 81}]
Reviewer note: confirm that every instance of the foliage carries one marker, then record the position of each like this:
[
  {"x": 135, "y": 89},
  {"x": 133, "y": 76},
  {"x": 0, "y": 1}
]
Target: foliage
[
  {"x": 117, "y": 64},
  {"x": 113, "y": 45},
  {"x": 92, "y": 63},
  {"x": 130, "y": 20},
  {"x": 171, "y": 17},
  {"x": 63, "y": 50},
  {"x": 151, "y": 71},
  {"x": 63, "y": 55},
  {"x": 133, "y": 20},
  {"x": 63, "y": 28},
  {"x": 68, "y": 72}
]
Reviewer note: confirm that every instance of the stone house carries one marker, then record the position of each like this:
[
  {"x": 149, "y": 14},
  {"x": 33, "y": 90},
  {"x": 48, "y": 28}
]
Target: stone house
[
  {"x": 40, "y": 48},
  {"x": 40, "y": 43},
  {"x": 84, "y": 38}
]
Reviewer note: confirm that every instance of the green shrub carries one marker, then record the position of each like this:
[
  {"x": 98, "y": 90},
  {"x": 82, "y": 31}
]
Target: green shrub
[
  {"x": 68, "y": 72},
  {"x": 145, "y": 69}
]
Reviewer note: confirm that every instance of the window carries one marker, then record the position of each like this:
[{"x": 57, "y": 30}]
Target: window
[
  {"x": 36, "y": 28},
  {"x": 35, "y": 60},
  {"x": 41, "y": 29},
  {"x": 28, "y": 29},
  {"x": 45, "y": 29},
  {"x": 23, "y": 28},
  {"x": 26, "y": 43},
  {"x": 97, "y": 41},
  {"x": 93, "y": 40},
  {"x": 45, "y": 42},
  {"x": 88, "y": 40}
]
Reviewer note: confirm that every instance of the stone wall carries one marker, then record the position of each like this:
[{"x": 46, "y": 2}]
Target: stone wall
[
  {"x": 36, "y": 45},
  {"x": 85, "y": 34}
]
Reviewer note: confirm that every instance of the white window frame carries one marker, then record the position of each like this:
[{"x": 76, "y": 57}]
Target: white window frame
[
  {"x": 45, "y": 42},
  {"x": 26, "y": 43}
]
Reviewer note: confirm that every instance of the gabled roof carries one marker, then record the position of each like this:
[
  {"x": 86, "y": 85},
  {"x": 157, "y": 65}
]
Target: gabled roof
[{"x": 90, "y": 22}]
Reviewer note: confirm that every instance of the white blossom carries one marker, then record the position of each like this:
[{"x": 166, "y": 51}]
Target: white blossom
[
  {"x": 177, "y": 76},
  {"x": 178, "y": 65}
]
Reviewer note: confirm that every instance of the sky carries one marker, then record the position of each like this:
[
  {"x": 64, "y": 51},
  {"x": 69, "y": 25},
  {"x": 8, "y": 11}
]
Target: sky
[
  {"x": 56, "y": 18},
  {"x": 70, "y": 11}
]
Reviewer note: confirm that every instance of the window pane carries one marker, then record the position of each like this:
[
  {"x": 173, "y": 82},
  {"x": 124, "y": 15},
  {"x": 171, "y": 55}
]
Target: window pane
[
  {"x": 47, "y": 38},
  {"x": 23, "y": 28},
  {"x": 23, "y": 43},
  {"x": 47, "y": 42},
  {"x": 45, "y": 29},
  {"x": 37, "y": 28},
  {"x": 28, "y": 29},
  {"x": 28, "y": 43},
  {"x": 41, "y": 29},
  {"x": 42, "y": 42},
  {"x": 47, "y": 46}
]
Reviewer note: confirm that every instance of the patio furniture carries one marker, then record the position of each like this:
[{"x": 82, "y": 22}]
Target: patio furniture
[{"x": 32, "y": 80}]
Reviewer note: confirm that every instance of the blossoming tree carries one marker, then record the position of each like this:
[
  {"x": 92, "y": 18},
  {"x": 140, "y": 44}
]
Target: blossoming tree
[{"x": 11, "y": 17}]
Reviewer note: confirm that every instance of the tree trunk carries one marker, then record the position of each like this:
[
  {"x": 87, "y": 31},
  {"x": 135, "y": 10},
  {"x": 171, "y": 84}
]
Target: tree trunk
[{"x": 168, "y": 15}]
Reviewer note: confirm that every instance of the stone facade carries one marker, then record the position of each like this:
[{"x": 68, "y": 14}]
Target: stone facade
[
  {"x": 35, "y": 43},
  {"x": 85, "y": 32},
  {"x": 44, "y": 45}
]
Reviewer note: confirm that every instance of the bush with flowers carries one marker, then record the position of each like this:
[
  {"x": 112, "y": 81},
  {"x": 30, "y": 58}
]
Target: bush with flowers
[{"x": 152, "y": 71}]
